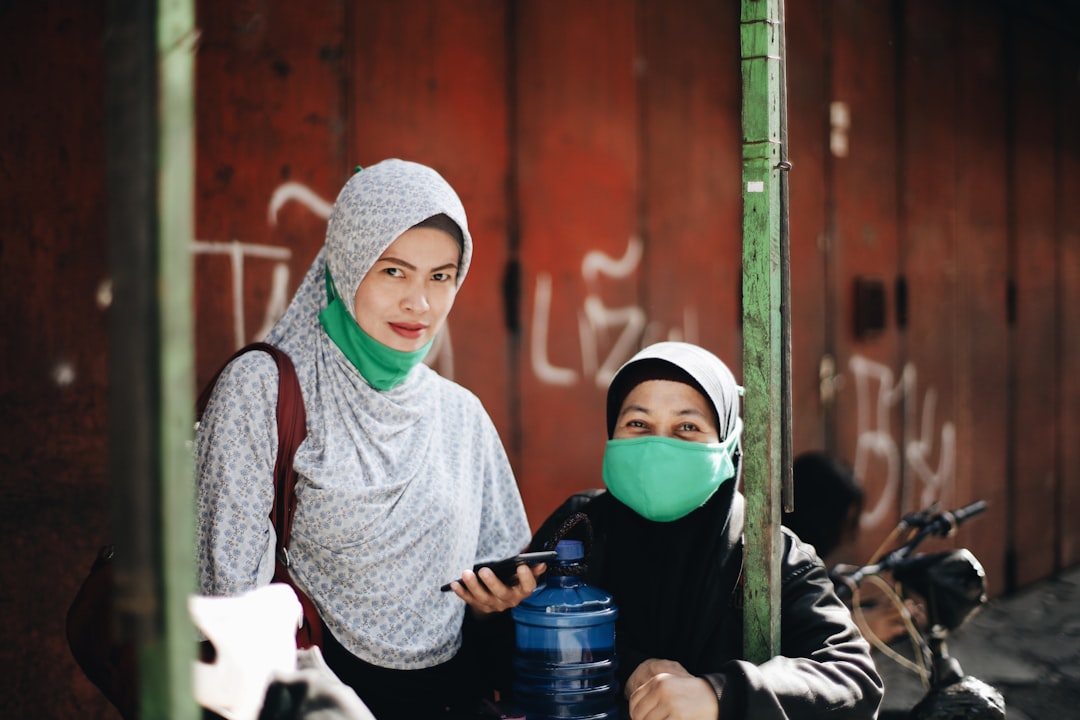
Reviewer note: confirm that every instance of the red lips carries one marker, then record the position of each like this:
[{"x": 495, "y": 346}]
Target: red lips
[{"x": 412, "y": 331}]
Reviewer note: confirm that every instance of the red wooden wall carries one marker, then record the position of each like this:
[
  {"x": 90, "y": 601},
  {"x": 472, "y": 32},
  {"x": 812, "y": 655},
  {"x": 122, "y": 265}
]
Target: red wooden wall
[
  {"x": 54, "y": 502},
  {"x": 596, "y": 149}
]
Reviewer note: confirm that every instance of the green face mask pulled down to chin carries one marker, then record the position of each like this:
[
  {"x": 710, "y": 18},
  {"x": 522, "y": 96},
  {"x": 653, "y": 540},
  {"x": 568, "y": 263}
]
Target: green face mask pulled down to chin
[
  {"x": 383, "y": 367},
  {"x": 665, "y": 479}
]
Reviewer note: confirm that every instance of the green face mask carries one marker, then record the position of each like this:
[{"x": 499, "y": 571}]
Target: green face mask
[
  {"x": 664, "y": 479},
  {"x": 384, "y": 368}
]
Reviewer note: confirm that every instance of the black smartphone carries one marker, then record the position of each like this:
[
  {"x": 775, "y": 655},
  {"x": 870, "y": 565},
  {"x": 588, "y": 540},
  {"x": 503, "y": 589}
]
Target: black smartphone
[{"x": 506, "y": 570}]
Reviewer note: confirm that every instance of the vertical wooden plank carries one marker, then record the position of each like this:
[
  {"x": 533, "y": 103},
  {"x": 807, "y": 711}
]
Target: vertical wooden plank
[
  {"x": 863, "y": 170},
  {"x": 429, "y": 83},
  {"x": 54, "y": 368},
  {"x": 166, "y": 693},
  {"x": 690, "y": 165},
  {"x": 576, "y": 144},
  {"x": 808, "y": 87},
  {"x": 929, "y": 255},
  {"x": 270, "y": 159},
  {"x": 1067, "y": 212},
  {"x": 982, "y": 265},
  {"x": 1032, "y": 445},
  {"x": 763, "y": 351}
]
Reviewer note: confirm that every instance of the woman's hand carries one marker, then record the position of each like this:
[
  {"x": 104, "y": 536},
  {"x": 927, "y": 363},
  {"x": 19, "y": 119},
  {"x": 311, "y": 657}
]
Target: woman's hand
[
  {"x": 664, "y": 689},
  {"x": 486, "y": 594}
]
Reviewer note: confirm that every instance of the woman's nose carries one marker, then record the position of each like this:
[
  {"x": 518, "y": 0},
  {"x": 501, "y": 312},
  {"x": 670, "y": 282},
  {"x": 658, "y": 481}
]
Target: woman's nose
[{"x": 416, "y": 300}]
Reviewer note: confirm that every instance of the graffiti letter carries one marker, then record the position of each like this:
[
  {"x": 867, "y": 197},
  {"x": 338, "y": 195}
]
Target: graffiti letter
[{"x": 541, "y": 316}]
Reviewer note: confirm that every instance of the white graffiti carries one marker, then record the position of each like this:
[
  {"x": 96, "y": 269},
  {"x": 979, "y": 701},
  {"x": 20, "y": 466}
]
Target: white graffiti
[
  {"x": 876, "y": 393},
  {"x": 237, "y": 252},
  {"x": 597, "y": 318},
  {"x": 619, "y": 329},
  {"x": 301, "y": 193},
  {"x": 539, "y": 354},
  {"x": 596, "y": 321}
]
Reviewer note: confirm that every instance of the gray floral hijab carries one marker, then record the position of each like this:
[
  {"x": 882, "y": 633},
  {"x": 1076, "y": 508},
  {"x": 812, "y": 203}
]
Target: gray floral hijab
[
  {"x": 376, "y": 206},
  {"x": 400, "y": 489}
]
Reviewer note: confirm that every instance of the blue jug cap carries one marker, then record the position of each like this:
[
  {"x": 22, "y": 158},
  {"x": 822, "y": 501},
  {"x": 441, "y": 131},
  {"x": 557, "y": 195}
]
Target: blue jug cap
[{"x": 569, "y": 550}]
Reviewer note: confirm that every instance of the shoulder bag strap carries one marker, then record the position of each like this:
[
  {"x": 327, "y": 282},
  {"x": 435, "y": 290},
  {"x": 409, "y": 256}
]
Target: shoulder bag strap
[{"x": 292, "y": 429}]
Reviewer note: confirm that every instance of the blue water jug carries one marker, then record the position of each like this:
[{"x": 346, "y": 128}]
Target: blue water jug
[{"x": 564, "y": 649}]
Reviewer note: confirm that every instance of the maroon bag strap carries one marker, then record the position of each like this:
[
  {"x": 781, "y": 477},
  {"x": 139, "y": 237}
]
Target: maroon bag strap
[{"x": 292, "y": 429}]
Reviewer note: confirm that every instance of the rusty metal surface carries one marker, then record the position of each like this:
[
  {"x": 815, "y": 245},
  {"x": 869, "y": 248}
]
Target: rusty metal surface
[
  {"x": 53, "y": 375},
  {"x": 428, "y": 82},
  {"x": 981, "y": 372},
  {"x": 578, "y": 170},
  {"x": 1033, "y": 449},
  {"x": 1066, "y": 483},
  {"x": 572, "y": 135},
  {"x": 929, "y": 257},
  {"x": 809, "y": 79},
  {"x": 270, "y": 159},
  {"x": 689, "y": 219},
  {"x": 864, "y": 419}
]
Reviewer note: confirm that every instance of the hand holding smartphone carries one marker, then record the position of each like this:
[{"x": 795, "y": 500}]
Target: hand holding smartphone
[{"x": 506, "y": 570}]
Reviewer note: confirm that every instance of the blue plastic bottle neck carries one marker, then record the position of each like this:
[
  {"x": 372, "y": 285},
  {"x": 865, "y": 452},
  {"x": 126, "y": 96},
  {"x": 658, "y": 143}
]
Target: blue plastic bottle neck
[{"x": 563, "y": 581}]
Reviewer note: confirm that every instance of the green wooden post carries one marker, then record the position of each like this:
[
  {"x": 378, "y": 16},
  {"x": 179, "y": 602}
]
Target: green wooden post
[
  {"x": 171, "y": 696},
  {"x": 761, "y": 34},
  {"x": 150, "y": 171}
]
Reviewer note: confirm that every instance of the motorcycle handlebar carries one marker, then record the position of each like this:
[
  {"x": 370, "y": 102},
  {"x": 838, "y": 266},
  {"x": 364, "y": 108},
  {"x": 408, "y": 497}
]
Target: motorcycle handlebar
[
  {"x": 922, "y": 518},
  {"x": 969, "y": 511},
  {"x": 929, "y": 523}
]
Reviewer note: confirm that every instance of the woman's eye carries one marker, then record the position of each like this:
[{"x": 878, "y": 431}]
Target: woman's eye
[
  {"x": 442, "y": 277},
  {"x": 394, "y": 272},
  {"x": 688, "y": 428}
]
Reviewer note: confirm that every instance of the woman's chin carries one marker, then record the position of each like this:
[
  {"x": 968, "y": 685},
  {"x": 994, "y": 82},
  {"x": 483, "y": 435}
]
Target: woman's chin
[{"x": 405, "y": 345}]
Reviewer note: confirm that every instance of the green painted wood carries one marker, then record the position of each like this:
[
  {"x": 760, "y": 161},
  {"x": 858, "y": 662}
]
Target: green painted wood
[
  {"x": 166, "y": 657},
  {"x": 761, "y": 34}
]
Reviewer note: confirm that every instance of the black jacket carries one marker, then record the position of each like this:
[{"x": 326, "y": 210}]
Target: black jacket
[{"x": 824, "y": 670}]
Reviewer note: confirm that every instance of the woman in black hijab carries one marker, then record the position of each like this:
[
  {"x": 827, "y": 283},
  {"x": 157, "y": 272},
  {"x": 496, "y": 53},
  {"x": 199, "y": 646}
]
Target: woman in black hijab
[{"x": 667, "y": 543}]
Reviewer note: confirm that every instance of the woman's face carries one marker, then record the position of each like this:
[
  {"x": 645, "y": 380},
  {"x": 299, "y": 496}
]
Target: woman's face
[
  {"x": 668, "y": 409},
  {"x": 405, "y": 297}
]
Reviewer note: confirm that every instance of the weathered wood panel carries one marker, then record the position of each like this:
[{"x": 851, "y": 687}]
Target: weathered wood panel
[
  {"x": 269, "y": 79},
  {"x": 929, "y": 256},
  {"x": 808, "y": 86},
  {"x": 1067, "y": 261},
  {"x": 54, "y": 267},
  {"x": 689, "y": 206},
  {"x": 428, "y": 82},
  {"x": 861, "y": 251},
  {"x": 1032, "y": 451},
  {"x": 982, "y": 267},
  {"x": 577, "y": 161},
  {"x": 570, "y": 131}
]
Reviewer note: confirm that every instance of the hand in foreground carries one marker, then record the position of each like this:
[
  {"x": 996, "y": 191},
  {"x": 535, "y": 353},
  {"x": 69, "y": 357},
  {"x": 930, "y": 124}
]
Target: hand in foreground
[
  {"x": 486, "y": 594},
  {"x": 664, "y": 689}
]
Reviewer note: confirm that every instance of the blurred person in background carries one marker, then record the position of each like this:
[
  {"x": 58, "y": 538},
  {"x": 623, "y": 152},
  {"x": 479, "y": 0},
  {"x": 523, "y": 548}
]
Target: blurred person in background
[{"x": 828, "y": 508}]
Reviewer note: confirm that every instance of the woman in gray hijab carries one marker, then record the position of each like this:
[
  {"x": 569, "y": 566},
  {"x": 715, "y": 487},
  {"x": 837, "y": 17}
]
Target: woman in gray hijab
[{"x": 403, "y": 481}]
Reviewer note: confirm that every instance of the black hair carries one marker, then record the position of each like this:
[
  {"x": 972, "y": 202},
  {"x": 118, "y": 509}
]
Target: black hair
[
  {"x": 826, "y": 491},
  {"x": 443, "y": 222},
  {"x": 648, "y": 369}
]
